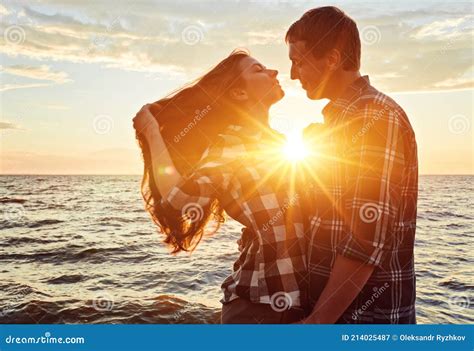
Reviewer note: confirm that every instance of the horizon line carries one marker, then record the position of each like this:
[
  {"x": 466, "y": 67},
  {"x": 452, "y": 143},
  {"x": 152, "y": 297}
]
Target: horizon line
[{"x": 139, "y": 174}]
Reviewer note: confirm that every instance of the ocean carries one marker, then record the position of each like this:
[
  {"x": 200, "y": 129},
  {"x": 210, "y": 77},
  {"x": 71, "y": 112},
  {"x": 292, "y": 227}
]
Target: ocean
[{"x": 81, "y": 249}]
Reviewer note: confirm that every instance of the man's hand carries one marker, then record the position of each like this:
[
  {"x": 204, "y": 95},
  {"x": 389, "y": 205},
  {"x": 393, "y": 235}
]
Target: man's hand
[{"x": 347, "y": 278}]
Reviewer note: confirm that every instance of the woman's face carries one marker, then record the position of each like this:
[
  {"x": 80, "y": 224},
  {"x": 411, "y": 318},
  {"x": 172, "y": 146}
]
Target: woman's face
[{"x": 260, "y": 83}]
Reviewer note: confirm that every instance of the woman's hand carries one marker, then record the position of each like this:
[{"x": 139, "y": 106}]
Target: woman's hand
[
  {"x": 144, "y": 120},
  {"x": 240, "y": 245}
]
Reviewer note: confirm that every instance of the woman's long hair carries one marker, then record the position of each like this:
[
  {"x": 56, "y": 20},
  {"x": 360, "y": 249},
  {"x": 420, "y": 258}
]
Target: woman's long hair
[{"x": 190, "y": 121}]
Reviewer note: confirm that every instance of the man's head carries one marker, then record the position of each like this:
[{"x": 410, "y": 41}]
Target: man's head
[{"x": 323, "y": 45}]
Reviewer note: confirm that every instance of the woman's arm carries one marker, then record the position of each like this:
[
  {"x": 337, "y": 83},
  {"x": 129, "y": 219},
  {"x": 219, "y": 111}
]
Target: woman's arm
[{"x": 165, "y": 174}]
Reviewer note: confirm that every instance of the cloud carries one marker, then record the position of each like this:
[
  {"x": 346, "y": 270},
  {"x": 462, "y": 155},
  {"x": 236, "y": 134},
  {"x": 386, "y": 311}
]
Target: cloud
[
  {"x": 42, "y": 72},
  {"x": 445, "y": 29},
  {"x": 419, "y": 47},
  {"x": 9, "y": 125},
  {"x": 3, "y": 10},
  {"x": 5, "y": 87}
]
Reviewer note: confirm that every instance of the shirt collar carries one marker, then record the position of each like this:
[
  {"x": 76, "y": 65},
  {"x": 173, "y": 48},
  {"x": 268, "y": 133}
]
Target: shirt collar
[{"x": 334, "y": 108}]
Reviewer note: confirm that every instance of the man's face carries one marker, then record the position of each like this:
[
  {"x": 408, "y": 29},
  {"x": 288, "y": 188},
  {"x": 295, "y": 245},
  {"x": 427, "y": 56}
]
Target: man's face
[{"x": 311, "y": 72}]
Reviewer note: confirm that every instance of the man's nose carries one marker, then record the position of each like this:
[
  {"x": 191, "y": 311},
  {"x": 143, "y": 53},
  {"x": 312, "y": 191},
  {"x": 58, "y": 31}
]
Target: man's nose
[{"x": 293, "y": 72}]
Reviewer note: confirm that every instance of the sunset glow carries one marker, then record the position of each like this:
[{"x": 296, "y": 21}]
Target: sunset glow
[{"x": 295, "y": 149}]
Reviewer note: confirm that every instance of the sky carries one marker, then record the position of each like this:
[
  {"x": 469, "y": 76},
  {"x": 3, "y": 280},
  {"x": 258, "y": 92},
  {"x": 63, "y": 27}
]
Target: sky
[{"x": 74, "y": 73}]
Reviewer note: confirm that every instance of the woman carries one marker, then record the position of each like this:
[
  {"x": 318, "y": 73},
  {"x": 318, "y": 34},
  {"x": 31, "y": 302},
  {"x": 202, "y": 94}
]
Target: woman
[{"x": 209, "y": 149}]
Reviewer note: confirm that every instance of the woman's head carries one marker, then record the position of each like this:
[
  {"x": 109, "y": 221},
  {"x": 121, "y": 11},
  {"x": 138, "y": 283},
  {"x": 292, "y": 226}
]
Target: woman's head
[
  {"x": 190, "y": 121},
  {"x": 258, "y": 85}
]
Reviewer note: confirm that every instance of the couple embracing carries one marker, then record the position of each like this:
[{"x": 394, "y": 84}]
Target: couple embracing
[{"x": 328, "y": 242}]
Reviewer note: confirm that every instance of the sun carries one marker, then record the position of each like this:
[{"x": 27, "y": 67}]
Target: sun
[{"x": 295, "y": 150}]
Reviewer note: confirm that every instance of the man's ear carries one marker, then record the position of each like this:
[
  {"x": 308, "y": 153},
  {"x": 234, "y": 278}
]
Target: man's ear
[
  {"x": 334, "y": 59},
  {"x": 238, "y": 94}
]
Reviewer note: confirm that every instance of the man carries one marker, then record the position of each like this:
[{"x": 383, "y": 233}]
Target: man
[{"x": 361, "y": 264}]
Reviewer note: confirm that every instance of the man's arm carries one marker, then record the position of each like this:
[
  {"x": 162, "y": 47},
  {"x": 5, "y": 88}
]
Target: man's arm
[
  {"x": 347, "y": 279},
  {"x": 373, "y": 165}
]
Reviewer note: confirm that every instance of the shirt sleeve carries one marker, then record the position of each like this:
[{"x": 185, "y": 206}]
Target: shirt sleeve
[
  {"x": 374, "y": 160},
  {"x": 209, "y": 181}
]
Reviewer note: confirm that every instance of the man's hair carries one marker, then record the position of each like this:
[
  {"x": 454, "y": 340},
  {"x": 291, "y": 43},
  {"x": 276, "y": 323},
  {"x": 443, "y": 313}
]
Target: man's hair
[{"x": 326, "y": 28}]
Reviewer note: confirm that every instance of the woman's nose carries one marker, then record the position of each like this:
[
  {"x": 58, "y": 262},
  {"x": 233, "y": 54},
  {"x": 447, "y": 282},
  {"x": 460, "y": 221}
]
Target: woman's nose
[{"x": 273, "y": 73}]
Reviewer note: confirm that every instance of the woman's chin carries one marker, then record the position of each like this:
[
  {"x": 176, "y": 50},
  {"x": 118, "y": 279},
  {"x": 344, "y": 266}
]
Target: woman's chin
[
  {"x": 279, "y": 94},
  {"x": 274, "y": 97}
]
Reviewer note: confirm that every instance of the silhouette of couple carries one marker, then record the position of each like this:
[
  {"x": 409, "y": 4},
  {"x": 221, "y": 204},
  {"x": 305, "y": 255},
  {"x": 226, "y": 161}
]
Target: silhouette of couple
[{"x": 328, "y": 239}]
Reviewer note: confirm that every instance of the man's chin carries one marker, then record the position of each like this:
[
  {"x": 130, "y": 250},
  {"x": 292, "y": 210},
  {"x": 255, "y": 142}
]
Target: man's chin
[{"x": 313, "y": 94}]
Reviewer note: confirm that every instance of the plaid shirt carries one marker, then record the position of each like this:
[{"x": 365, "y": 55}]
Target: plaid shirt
[
  {"x": 271, "y": 268},
  {"x": 365, "y": 203}
]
